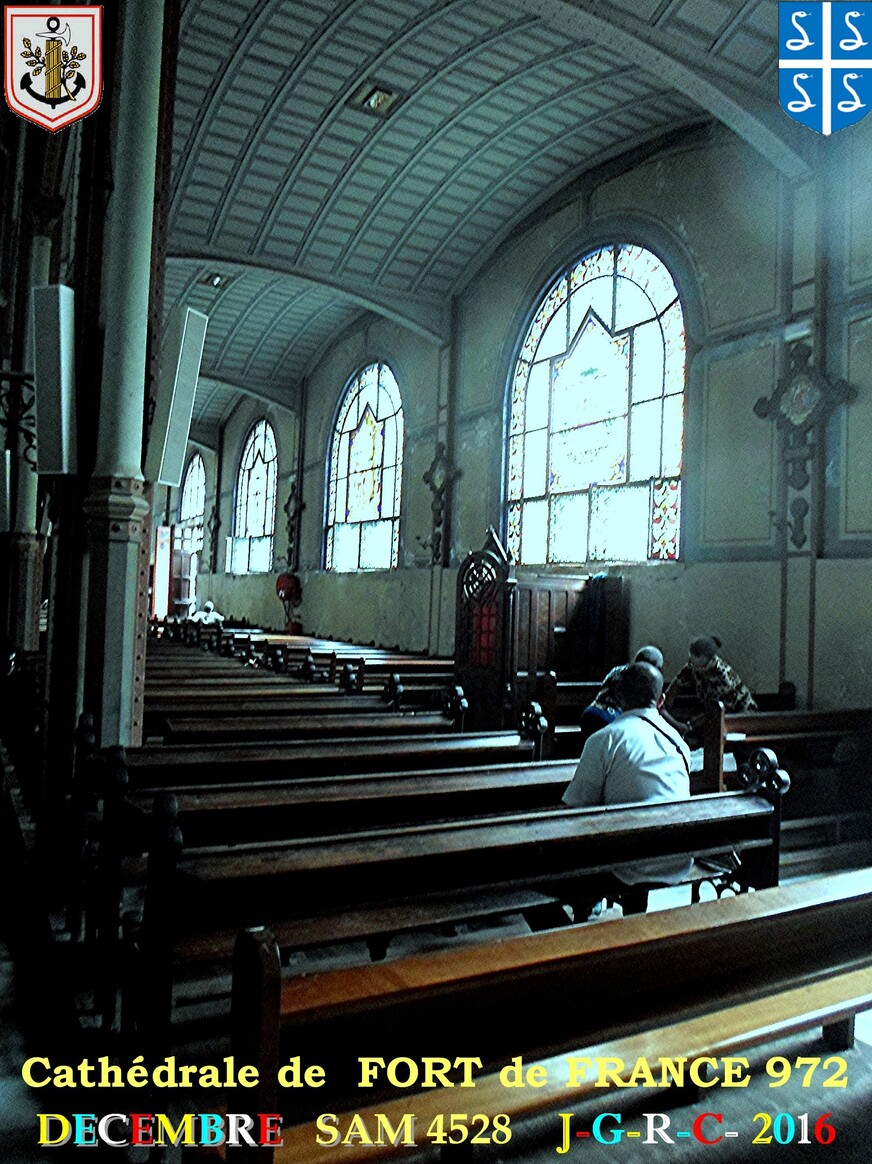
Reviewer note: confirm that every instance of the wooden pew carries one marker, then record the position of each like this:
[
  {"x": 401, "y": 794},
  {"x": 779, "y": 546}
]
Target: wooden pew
[
  {"x": 829, "y": 825},
  {"x": 261, "y": 810},
  {"x": 564, "y": 700},
  {"x": 711, "y": 987},
  {"x": 541, "y": 848},
  {"x": 188, "y": 729},
  {"x": 160, "y": 764},
  {"x": 357, "y": 875},
  {"x": 220, "y": 814}
]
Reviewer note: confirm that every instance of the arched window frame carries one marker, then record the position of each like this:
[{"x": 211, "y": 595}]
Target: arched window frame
[
  {"x": 192, "y": 503},
  {"x": 598, "y": 520},
  {"x": 362, "y": 511},
  {"x": 254, "y": 511}
]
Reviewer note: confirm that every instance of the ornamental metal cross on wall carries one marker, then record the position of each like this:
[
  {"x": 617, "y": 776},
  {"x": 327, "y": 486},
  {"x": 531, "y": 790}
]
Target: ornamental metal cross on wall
[
  {"x": 439, "y": 478},
  {"x": 800, "y": 405},
  {"x": 292, "y": 510}
]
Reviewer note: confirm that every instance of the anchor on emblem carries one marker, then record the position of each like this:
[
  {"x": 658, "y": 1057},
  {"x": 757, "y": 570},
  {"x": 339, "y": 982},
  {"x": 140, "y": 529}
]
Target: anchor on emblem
[{"x": 59, "y": 65}]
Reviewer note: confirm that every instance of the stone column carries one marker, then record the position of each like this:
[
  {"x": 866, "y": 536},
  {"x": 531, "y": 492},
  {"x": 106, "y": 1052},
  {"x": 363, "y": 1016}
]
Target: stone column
[
  {"x": 25, "y": 545},
  {"x": 117, "y": 507}
]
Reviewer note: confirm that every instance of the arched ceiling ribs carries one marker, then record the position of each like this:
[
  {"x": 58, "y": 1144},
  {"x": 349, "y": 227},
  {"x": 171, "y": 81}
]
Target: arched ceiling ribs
[
  {"x": 730, "y": 94},
  {"x": 487, "y": 195},
  {"x": 296, "y": 340},
  {"x": 387, "y": 193},
  {"x": 258, "y": 392},
  {"x": 180, "y": 299},
  {"x": 223, "y": 79},
  {"x": 248, "y": 150},
  {"x": 437, "y": 77},
  {"x": 278, "y": 200},
  {"x": 467, "y": 164},
  {"x": 243, "y": 316},
  {"x": 422, "y": 316},
  {"x": 275, "y": 325}
]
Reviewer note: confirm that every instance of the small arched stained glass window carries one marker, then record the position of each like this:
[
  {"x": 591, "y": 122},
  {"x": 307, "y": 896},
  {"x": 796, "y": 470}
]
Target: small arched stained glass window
[
  {"x": 255, "y": 512},
  {"x": 596, "y": 423},
  {"x": 365, "y": 474}
]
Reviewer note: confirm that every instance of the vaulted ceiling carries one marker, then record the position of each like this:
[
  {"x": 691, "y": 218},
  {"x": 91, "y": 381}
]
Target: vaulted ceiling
[{"x": 312, "y": 208}]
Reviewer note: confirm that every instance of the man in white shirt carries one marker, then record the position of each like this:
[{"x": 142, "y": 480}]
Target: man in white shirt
[{"x": 638, "y": 758}]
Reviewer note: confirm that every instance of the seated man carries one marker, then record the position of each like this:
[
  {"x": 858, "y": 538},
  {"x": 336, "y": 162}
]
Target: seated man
[
  {"x": 606, "y": 705},
  {"x": 637, "y": 758}
]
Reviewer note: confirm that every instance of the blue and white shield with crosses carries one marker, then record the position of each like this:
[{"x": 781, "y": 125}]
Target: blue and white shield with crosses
[{"x": 825, "y": 63}]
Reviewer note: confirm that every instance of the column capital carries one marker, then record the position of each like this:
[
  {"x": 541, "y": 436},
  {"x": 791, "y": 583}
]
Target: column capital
[{"x": 119, "y": 503}]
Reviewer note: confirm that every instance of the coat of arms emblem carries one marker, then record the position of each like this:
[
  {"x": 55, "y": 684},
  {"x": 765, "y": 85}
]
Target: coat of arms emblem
[
  {"x": 53, "y": 67},
  {"x": 825, "y": 63}
]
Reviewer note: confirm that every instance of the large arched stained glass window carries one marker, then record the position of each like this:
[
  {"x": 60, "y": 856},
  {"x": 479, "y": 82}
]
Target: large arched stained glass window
[
  {"x": 255, "y": 514},
  {"x": 597, "y": 416},
  {"x": 365, "y": 474}
]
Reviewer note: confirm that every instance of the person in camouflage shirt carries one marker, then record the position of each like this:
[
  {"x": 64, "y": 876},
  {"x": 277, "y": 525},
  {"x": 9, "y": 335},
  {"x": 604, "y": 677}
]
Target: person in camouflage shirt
[{"x": 708, "y": 678}]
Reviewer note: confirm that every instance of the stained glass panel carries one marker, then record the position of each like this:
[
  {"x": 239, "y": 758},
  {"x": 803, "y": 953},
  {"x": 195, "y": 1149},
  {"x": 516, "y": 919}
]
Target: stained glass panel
[
  {"x": 567, "y": 539},
  {"x": 535, "y": 462},
  {"x": 513, "y": 541},
  {"x": 675, "y": 349},
  {"x": 665, "y": 519},
  {"x": 632, "y": 305},
  {"x": 601, "y": 262},
  {"x": 365, "y": 472},
  {"x": 192, "y": 504},
  {"x": 375, "y": 544},
  {"x": 596, "y": 453},
  {"x": 673, "y": 434},
  {"x": 553, "y": 300},
  {"x": 645, "y": 440},
  {"x": 516, "y": 467},
  {"x": 534, "y": 532},
  {"x": 609, "y": 411},
  {"x": 644, "y": 268},
  {"x": 591, "y": 382},
  {"x": 346, "y": 546},
  {"x": 520, "y": 390},
  {"x": 593, "y": 297},
  {"x": 647, "y": 362},
  {"x": 619, "y": 522},
  {"x": 365, "y": 458},
  {"x": 537, "y": 397}
]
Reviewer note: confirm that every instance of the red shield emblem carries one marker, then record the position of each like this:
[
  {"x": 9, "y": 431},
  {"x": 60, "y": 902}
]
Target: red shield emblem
[{"x": 53, "y": 63}]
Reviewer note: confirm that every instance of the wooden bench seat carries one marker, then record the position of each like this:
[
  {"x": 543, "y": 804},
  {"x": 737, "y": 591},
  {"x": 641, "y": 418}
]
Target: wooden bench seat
[
  {"x": 271, "y": 809},
  {"x": 552, "y": 852},
  {"x": 726, "y": 1030},
  {"x": 747, "y": 730},
  {"x": 825, "y": 786},
  {"x": 276, "y": 727},
  {"x": 718, "y": 978},
  {"x": 154, "y": 765},
  {"x": 542, "y": 849}
]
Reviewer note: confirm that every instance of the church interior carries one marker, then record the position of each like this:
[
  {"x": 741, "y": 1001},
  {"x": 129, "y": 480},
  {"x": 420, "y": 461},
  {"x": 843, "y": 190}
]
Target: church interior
[{"x": 375, "y": 376}]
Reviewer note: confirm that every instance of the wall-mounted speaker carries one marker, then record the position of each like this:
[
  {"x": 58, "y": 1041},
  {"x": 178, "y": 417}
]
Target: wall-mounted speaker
[
  {"x": 176, "y": 387},
  {"x": 54, "y": 380}
]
